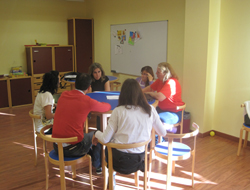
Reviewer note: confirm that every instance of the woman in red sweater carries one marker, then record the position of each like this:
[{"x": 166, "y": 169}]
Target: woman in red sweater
[{"x": 167, "y": 90}]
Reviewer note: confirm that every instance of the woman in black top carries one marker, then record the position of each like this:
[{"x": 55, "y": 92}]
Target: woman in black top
[{"x": 100, "y": 82}]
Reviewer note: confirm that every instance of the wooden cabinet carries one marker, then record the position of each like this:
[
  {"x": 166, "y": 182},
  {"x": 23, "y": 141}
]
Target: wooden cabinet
[
  {"x": 4, "y": 102},
  {"x": 39, "y": 59},
  {"x": 80, "y": 35},
  {"x": 64, "y": 58},
  {"x": 20, "y": 89},
  {"x": 42, "y": 59},
  {"x": 15, "y": 91}
]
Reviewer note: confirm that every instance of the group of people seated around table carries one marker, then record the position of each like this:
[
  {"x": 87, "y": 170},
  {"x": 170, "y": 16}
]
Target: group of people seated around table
[{"x": 130, "y": 122}]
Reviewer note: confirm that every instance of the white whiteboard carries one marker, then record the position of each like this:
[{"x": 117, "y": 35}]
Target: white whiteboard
[{"x": 149, "y": 49}]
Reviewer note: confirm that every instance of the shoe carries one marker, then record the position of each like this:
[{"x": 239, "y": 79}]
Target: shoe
[{"x": 99, "y": 170}]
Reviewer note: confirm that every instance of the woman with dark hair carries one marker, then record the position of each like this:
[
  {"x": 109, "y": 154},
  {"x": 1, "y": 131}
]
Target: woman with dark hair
[
  {"x": 100, "y": 82},
  {"x": 130, "y": 122},
  {"x": 44, "y": 101},
  {"x": 147, "y": 77}
]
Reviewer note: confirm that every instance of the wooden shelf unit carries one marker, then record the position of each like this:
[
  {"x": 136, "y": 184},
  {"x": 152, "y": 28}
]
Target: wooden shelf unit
[{"x": 42, "y": 59}]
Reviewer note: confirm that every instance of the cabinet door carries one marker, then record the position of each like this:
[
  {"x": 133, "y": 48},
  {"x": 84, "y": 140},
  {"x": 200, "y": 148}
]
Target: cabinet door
[
  {"x": 21, "y": 91},
  {"x": 84, "y": 45},
  {"x": 4, "y": 94},
  {"x": 63, "y": 59},
  {"x": 42, "y": 60}
]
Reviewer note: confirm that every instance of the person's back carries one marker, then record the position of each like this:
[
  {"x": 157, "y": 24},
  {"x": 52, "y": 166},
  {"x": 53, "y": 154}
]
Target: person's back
[
  {"x": 44, "y": 101},
  {"x": 72, "y": 110},
  {"x": 130, "y": 122},
  {"x": 71, "y": 113},
  {"x": 133, "y": 125}
]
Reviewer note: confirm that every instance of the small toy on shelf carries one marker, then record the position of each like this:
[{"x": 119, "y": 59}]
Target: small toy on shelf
[{"x": 17, "y": 72}]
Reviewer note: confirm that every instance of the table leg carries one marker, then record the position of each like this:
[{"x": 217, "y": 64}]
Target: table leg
[{"x": 104, "y": 121}]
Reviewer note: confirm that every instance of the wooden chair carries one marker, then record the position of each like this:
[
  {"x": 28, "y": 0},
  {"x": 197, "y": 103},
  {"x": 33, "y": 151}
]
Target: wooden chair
[
  {"x": 173, "y": 151},
  {"x": 60, "y": 160},
  {"x": 165, "y": 114},
  {"x": 114, "y": 86},
  {"x": 110, "y": 162},
  {"x": 245, "y": 128},
  {"x": 35, "y": 134}
]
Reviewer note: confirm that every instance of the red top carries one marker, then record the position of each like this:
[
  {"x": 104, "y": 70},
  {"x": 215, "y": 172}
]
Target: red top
[
  {"x": 72, "y": 110},
  {"x": 172, "y": 90}
]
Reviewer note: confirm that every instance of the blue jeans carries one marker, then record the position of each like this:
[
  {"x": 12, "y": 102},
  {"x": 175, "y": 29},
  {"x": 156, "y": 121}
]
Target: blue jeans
[
  {"x": 169, "y": 118},
  {"x": 82, "y": 148}
]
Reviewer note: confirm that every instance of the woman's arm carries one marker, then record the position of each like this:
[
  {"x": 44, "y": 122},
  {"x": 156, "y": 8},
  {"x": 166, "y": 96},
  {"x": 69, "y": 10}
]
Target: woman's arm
[
  {"x": 157, "y": 124},
  {"x": 48, "y": 113},
  {"x": 89, "y": 90},
  {"x": 109, "y": 132},
  {"x": 107, "y": 86},
  {"x": 147, "y": 89},
  {"x": 157, "y": 95}
]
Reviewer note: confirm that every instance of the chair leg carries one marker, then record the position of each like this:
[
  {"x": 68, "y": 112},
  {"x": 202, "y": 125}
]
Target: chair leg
[
  {"x": 173, "y": 167},
  {"x": 46, "y": 171},
  {"x": 73, "y": 168},
  {"x": 105, "y": 178},
  {"x": 159, "y": 139},
  {"x": 150, "y": 165},
  {"x": 145, "y": 171},
  {"x": 181, "y": 131},
  {"x": 169, "y": 166},
  {"x": 90, "y": 172},
  {"x": 62, "y": 178},
  {"x": 111, "y": 179},
  {"x": 193, "y": 163},
  {"x": 240, "y": 141},
  {"x": 246, "y": 138},
  {"x": 137, "y": 179},
  {"x": 35, "y": 148}
]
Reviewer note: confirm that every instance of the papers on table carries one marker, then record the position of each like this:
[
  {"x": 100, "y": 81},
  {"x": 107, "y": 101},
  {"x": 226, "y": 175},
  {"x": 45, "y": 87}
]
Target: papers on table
[{"x": 112, "y": 97}]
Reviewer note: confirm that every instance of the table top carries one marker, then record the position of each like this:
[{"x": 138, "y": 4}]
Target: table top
[
  {"x": 109, "y": 97},
  {"x": 111, "y": 79}
]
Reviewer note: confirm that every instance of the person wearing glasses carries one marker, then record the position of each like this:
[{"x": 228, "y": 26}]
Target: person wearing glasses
[{"x": 147, "y": 77}]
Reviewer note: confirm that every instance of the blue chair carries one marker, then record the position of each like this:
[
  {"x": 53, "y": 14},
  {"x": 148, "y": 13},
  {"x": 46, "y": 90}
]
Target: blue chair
[
  {"x": 245, "y": 128},
  {"x": 173, "y": 151},
  {"x": 60, "y": 160}
]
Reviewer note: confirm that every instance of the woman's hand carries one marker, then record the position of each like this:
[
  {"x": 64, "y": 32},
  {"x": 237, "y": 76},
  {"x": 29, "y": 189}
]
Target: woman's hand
[
  {"x": 150, "y": 77},
  {"x": 94, "y": 140}
]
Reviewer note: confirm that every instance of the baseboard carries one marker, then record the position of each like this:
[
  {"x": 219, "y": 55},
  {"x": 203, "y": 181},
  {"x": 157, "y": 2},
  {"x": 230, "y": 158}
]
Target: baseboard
[{"x": 220, "y": 134}]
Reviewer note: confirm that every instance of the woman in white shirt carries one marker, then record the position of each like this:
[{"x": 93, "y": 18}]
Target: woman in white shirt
[
  {"x": 44, "y": 101},
  {"x": 130, "y": 122}
]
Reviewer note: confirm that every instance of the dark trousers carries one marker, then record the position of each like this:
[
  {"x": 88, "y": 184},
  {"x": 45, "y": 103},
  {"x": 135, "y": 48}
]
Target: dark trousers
[
  {"x": 126, "y": 163},
  {"x": 82, "y": 148}
]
